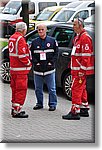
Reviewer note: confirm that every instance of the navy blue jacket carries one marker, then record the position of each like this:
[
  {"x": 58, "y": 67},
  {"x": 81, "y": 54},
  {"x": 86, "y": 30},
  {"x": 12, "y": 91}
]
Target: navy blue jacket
[{"x": 49, "y": 47}]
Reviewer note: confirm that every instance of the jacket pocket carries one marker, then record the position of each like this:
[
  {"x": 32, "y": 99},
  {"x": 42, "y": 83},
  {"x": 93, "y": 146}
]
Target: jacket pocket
[
  {"x": 50, "y": 66},
  {"x": 21, "y": 82}
]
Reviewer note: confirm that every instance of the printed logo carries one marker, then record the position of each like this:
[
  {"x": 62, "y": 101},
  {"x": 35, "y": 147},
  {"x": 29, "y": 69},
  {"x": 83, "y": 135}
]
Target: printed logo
[
  {"x": 48, "y": 44},
  {"x": 78, "y": 46},
  {"x": 11, "y": 47},
  {"x": 86, "y": 47}
]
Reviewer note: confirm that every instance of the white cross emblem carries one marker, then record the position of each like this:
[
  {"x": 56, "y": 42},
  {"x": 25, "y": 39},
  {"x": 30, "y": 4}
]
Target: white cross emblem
[{"x": 11, "y": 47}]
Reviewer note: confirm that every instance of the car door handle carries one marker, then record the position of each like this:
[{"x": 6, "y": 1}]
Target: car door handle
[{"x": 65, "y": 54}]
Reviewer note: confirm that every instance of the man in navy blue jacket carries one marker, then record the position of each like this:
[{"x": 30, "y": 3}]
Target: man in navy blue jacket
[{"x": 44, "y": 50}]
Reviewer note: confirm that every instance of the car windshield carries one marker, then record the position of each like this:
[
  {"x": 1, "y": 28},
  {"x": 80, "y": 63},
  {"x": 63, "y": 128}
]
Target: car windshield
[
  {"x": 44, "y": 15},
  {"x": 12, "y": 7},
  {"x": 63, "y": 16}
]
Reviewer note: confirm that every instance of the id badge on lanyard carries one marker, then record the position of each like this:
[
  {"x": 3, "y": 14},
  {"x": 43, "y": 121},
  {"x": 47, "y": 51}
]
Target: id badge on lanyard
[{"x": 42, "y": 56}]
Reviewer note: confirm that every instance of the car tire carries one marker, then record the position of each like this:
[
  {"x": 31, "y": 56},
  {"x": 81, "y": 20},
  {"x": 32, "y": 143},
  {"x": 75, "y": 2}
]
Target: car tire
[
  {"x": 67, "y": 81},
  {"x": 5, "y": 71}
]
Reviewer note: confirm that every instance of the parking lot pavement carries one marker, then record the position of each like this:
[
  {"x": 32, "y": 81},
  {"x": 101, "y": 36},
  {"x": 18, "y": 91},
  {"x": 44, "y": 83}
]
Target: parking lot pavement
[{"x": 43, "y": 125}]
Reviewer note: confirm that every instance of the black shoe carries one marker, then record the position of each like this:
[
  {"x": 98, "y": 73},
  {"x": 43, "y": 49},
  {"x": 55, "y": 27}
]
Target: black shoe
[
  {"x": 20, "y": 115},
  {"x": 37, "y": 107},
  {"x": 84, "y": 112},
  {"x": 52, "y": 108},
  {"x": 71, "y": 116},
  {"x": 12, "y": 112}
]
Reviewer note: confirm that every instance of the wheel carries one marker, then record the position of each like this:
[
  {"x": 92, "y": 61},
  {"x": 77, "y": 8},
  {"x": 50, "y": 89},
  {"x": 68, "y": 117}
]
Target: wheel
[
  {"x": 5, "y": 71},
  {"x": 67, "y": 85}
]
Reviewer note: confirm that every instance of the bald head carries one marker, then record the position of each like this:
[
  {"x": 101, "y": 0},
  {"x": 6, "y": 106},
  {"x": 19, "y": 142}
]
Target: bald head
[
  {"x": 42, "y": 30},
  {"x": 41, "y": 25}
]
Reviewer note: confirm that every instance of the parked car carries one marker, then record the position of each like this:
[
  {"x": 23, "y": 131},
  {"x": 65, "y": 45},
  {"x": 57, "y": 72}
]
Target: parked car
[
  {"x": 12, "y": 12},
  {"x": 90, "y": 20},
  {"x": 82, "y": 9},
  {"x": 46, "y": 15},
  {"x": 64, "y": 34},
  {"x": 81, "y": 4},
  {"x": 13, "y": 9}
]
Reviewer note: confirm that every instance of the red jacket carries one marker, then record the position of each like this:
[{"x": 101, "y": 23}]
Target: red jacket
[
  {"x": 19, "y": 54},
  {"x": 82, "y": 57}
]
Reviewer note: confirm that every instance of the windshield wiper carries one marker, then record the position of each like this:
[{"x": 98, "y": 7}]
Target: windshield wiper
[
  {"x": 5, "y": 12},
  {"x": 56, "y": 20},
  {"x": 39, "y": 20}
]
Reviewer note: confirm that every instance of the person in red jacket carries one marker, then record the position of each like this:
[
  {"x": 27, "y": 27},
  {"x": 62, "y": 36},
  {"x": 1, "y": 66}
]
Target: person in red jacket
[
  {"x": 20, "y": 66},
  {"x": 82, "y": 64}
]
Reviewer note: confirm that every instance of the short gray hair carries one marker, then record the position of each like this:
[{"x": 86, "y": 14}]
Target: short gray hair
[
  {"x": 80, "y": 21},
  {"x": 20, "y": 26}
]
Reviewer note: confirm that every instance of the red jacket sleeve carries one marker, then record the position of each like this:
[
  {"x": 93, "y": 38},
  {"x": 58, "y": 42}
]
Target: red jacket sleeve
[
  {"x": 86, "y": 44},
  {"x": 24, "y": 52}
]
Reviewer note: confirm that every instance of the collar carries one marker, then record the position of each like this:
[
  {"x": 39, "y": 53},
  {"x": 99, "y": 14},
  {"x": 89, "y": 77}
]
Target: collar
[
  {"x": 19, "y": 33},
  {"x": 42, "y": 39},
  {"x": 79, "y": 35},
  {"x": 83, "y": 31}
]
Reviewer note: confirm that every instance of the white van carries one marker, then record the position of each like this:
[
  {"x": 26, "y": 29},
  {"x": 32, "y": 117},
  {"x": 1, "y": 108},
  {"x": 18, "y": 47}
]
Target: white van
[
  {"x": 82, "y": 9},
  {"x": 12, "y": 10}
]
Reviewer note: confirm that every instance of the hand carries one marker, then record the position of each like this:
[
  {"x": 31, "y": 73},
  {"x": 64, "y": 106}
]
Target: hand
[
  {"x": 49, "y": 64},
  {"x": 29, "y": 46},
  {"x": 38, "y": 64}
]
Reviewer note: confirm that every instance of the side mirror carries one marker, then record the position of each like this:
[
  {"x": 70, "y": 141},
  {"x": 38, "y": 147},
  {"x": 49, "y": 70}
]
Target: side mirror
[{"x": 31, "y": 8}]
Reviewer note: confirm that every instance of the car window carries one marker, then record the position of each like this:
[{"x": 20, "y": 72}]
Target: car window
[
  {"x": 12, "y": 7},
  {"x": 43, "y": 5},
  {"x": 63, "y": 36},
  {"x": 91, "y": 5},
  {"x": 63, "y": 3},
  {"x": 63, "y": 15},
  {"x": 92, "y": 11},
  {"x": 44, "y": 15},
  {"x": 32, "y": 37},
  {"x": 82, "y": 14}
]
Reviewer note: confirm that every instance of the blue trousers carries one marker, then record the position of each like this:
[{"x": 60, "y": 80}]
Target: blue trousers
[{"x": 51, "y": 85}]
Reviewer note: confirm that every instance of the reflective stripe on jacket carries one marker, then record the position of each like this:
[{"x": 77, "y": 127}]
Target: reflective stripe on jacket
[
  {"x": 47, "y": 48},
  {"x": 19, "y": 54},
  {"x": 82, "y": 56}
]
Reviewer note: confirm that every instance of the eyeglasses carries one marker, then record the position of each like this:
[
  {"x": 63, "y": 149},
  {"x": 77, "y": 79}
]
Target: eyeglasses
[{"x": 40, "y": 29}]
